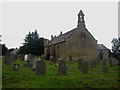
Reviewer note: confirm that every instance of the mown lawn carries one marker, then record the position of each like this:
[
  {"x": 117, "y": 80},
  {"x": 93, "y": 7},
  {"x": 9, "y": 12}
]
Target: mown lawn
[{"x": 26, "y": 78}]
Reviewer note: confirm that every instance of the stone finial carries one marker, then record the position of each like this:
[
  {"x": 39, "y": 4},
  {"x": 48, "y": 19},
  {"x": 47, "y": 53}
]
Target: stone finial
[{"x": 81, "y": 18}]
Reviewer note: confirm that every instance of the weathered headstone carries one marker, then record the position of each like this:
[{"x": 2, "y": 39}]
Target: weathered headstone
[
  {"x": 93, "y": 63},
  {"x": 34, "y": 63},
  {"x": 85, "y": 67},
  {"x": 104, "y": 66},
  {"x": 16, "y": 67},
  {"x": 51, "y": 60},
  {"x": 30, "y": 58},
  {"x": 62, "y": 66},
  {"x": 41, "y": 67},
  {"x": 7, "y": 58},
  {"x": 69, "y": 67},
  {"x": 20, "y": 57},
  {"x": 70, "y": 60},
  {"x": 13, "y": 57},
  {"x": 80, "y": 61}
]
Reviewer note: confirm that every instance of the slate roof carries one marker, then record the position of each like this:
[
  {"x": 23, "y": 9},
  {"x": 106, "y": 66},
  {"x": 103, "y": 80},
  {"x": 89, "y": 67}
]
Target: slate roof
[
  {"x": 61, "y": 38},
  {"x": 101, "y": 47}
]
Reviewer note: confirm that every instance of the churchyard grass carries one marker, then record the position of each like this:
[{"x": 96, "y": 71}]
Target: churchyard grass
[{"x": 26, "y": 78}]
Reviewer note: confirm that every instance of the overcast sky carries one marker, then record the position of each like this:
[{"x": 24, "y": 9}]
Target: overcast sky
[{"x": 49, "y": 18}]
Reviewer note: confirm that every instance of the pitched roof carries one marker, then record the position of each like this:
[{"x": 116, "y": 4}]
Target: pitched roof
[
  {"x": 61, "y": 38},
  {"x": 101, "y": 47}
]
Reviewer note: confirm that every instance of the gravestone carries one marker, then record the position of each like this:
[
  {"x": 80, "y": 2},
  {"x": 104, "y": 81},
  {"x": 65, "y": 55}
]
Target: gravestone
[
  {"x": 70, "y": 60},
  {"x": 16, "y": 67},
  {"x": 80, "y": 61},
  {"x": 30, "y": 58},
  {"x": 93, "y": 63},
  {"x": 20, "y": 57},
  {"x": 51, "y": 60},
  {"x": 62, "y": 66},
  {"x": 26, "y": 58},
  {"x": 85, "y": 67},
  {"x": 13, "y": 57},
  {"x": 34, "y": 63},
  {"x": 41, "y": 67},
  {"x": 69, "y": 67},
  {"x": 104, "y": 66},
  {"x": 7, "y": 58}
]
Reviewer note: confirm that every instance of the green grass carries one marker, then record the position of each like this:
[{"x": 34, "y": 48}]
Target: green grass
[{"x": 26, "y": 78}]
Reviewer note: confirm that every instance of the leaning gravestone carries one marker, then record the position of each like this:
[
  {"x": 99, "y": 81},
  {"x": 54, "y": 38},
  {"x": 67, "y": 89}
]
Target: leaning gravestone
[
  {"x": 85, "y": 67},
  {"x": 80, "y": 61},
  {"x": 70, "y": 60},
  {"x": 93, "y": 63},
  {"x": 41, "y": 67},
  {"x": 62, "y": 66},
  {"x": 104, "y": 66}
]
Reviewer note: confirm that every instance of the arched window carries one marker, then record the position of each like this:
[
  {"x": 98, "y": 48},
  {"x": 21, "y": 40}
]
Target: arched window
[{"x": 83, "y": 41}]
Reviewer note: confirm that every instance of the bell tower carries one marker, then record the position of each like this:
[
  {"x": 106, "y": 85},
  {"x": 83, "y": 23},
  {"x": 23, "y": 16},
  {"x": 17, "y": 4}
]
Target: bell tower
[{"x": 81, "y": 18}]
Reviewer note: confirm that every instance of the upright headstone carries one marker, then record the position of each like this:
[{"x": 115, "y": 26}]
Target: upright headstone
[
  {"x": 104, "y": 66},
  {"x": 30, "y": 58},
  {"x": 13, "y": 57},
  {"x": 62, "y": 66},
  {"x": 34, "y": 63},
  {"x": 51, "y": 60},
  {"x": 70, "y": 60},
  {"x": 41, "y": 67},
  {"x": 26, "y": 58},
  {"x": 20, "y": 57},
  {"x": 93, "y": 63},
  {"x": 7, "y": 58},
  {"x": 80, "y": 61},
  {"x": 85, "y": 67}
]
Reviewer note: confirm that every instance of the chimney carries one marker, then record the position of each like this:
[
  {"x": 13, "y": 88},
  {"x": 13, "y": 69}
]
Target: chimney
[{"x": 51, "y": 37}]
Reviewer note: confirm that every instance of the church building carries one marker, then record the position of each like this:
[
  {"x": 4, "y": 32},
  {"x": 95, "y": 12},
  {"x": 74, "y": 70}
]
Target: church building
[{"x": 77, "y": 42}]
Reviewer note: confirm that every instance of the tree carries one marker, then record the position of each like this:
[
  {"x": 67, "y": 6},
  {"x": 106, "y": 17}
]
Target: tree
[
  {"x": 4, "y": 49},
  {"x": 115, "y": 47},
  {"x": 32, "y": 44}
]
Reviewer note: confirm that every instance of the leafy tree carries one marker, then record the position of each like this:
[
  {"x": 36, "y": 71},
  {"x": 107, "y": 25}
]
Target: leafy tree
[
  {"x": 115, "y": 47},
  {"x": 32, "y": 44},
  {"x": 4, "y": 49}
]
